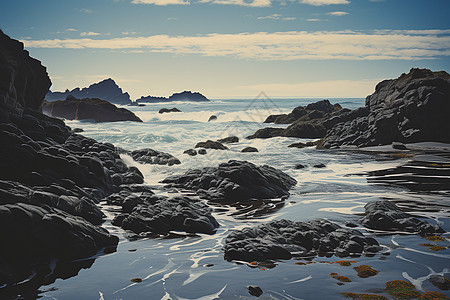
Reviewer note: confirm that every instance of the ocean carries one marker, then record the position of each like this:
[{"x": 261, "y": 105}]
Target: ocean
[{"x": 193, "y": 266}]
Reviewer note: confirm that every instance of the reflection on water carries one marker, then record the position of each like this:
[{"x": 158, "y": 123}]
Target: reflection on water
[{"x": 193, "y": 267}]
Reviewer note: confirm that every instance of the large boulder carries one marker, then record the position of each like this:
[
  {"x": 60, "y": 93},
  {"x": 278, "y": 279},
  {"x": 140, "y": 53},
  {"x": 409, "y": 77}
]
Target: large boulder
[
  {"x": 284, "y": 239},
  {"x": 150, "y": 156},
  {"x": 235, "y": 181},
  {"x": 311, "y": 121},
  {"x": 412, "y": 108},
  {"x": 211, "y": 145},
  {"x": 88, "y": 108}
]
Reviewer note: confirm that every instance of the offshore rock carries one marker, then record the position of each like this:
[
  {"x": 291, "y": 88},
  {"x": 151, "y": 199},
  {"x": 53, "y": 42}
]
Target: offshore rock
[
  {"x": 167, "y": 110},
  {"x": 235, "y": 181},
  {"x": 284, "y": 239},
  {"x": 412, "y": 108},
  {"x": 88, "y": 108},
  {"x": 211, "y": 145},
  {"x": 154, "y": 157}
]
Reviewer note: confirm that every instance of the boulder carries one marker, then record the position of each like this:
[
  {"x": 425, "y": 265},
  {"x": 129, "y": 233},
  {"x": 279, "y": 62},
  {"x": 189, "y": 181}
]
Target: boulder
[
  {"x": 284, "y": 239},
  {"x": 235, "y": 181},
  {"x": 211, "y": 145},
  {"x": 386, "y": 216},
  {"x": 191, "y": 152},
  {"x": 229, "y": 140},
  {"x": 412, "y": 108},
  {"x": 212, "y": 118},
  {"x": 150, "y": 156},
  {"x": 88, "y": 108}
]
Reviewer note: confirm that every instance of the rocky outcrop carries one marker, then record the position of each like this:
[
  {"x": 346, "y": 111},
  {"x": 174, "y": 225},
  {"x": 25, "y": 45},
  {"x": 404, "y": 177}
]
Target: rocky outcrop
[
  {"x": 23, "y": 80},
  {"x": 284, "y": 239},
  {"x": 411, "y": 108},
  {"x": 150, "y": 156},
  {"x": 160, "y": 215},
  {"x": 235, "y": 181},
  {"x": 229, "y": 140},
  {"x": 167, "y": 110},
  {"x": 211, "y": 145},
  {"x": 312, "y": 121},
  {"x": 106, "y": 90},
  {"x": 187, "y": 96},
  {"x": 386, "y": 216},
  {"x": 88, "y": 108},
  {"x": 249, "y": 149}
]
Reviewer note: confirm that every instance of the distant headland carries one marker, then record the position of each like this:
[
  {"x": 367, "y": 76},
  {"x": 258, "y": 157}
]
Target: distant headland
[{"x": 109, "y": 90}]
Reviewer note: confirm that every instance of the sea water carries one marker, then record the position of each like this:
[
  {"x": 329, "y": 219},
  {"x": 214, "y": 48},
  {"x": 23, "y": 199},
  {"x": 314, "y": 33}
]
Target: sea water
[{"x": 193, "y": 267}]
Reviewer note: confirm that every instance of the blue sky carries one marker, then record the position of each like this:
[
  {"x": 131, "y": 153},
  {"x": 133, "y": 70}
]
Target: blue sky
[{"x": 232, "y": 48}]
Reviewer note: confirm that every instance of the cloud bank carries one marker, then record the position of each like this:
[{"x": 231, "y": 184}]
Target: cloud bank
[{"x": 292, "y": 45}]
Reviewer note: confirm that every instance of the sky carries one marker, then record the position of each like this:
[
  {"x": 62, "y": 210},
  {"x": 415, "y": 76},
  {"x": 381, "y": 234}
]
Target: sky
[{"x": 232, "y": 48}]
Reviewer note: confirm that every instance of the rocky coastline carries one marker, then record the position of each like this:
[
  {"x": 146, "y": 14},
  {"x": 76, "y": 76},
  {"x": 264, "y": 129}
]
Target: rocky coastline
[{"x": 52, "y": 179}]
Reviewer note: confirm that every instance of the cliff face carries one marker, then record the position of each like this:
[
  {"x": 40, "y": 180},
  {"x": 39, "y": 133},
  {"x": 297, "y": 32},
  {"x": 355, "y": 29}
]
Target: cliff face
[
  {"x": 23, "y": 80},
  {"x": 412, "y": 108},
  {"x": 106, "y": 90}
]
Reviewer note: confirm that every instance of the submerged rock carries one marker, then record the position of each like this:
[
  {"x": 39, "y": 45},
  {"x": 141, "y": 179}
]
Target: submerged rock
[
  {"x": 385, "y": 215},
  {"x": 167, "y": 110},
  {"x": 190, "y": 152},
  {"x": 154, "y": 157},
  {"x": 88, "y": 109},
  {"x": 254, "y": 290},
  {"x": 250, "y": 149},
  {"x": 212, "y": 118},
  {"x": 235, "y": 181},
  {"x": 284, "y": 239}
]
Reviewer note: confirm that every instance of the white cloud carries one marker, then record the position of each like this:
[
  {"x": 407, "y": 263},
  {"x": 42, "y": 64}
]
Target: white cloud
[
  {"x": 248, "y": 3},
  {"x": 337, "y": 13},
  {"x": 289, "y": 18},
  {"x": 129, "y": 32},
  {"x": 86, "y": 10},
  {"x": 90, "y": 33},
  {"x": 161, "y": 2},
  {"x": 324, "y": 2},
  {"x": 292, "y": 45},
  {"x": 314, "y": 20},
  {"x": 272, "y": 16},
  {"x": 71, "y": 29}
]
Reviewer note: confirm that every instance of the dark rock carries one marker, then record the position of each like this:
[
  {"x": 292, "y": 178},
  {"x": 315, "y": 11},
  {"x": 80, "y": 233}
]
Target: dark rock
[
  {"x": 249, "y": 149},
  {"x": 166, "y": 110},
  {"x": 319, "y": 166},
  {"x": 411, "y": 108},
  {"x": 441, "y": 282},
  {"x": 311, "y": 121},
  {"x": 385, "y": 215},
  {"x": 191, "y": 152},
  {"x": 299, "y": 166},
  {"x": 229, "y": 140},
  {"x": 161, "y": 215},
  {"x": 284, "y": 239},
  {"x": 254, "y": 290},
  {"x": 399, "y": 146},
  {"x": 298, "y": 145},
  {"x": 106, "y": 90},
  {"x": 235, "y": 181},
  {"x": 211, "y": 145},
  {"x": 183, "y": 96},
  {"x": 202, "y": 151},
  {"x": 77, "y": 130},
  {"x": 88, "y": 108},
  {"x": 150, "y": 156},
  {"x": 212, "y": 118}
]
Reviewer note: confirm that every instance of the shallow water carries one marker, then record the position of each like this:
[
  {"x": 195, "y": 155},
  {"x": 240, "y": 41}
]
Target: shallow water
[{"x": 192, "y": 267}]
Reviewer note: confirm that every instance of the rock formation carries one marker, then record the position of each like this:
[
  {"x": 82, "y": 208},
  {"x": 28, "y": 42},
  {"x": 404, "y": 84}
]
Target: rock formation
[
  {"x": 284, "y": 239},
  {"x": 106, "y": 90},
  {"x": 412, "y": 108},
  {"x": 235, "y": 181},
  {"x": 167, "y": 110},
  {"x": 312, "y": 121},
  {"x": 150, "y": 156},
  {"x": 88, "y": 108},
  {"x": 183, "y": 96}
]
